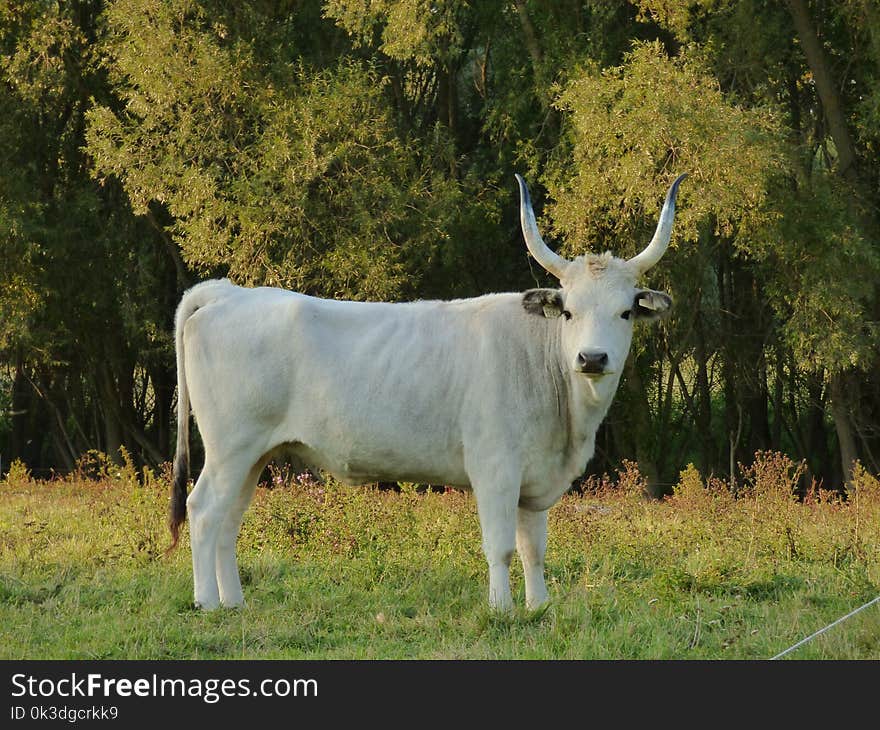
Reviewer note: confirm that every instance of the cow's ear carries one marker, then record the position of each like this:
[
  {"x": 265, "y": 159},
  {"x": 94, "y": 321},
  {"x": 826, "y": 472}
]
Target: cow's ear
[
  {"x": 650, "y": 305},
  {"x": 544, "y": 302}
]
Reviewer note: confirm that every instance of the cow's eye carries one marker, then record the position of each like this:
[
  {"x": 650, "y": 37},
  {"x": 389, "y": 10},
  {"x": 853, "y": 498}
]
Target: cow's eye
[
  {"x": 566, "y": 314},
  {"x": 626, "y": 314}
]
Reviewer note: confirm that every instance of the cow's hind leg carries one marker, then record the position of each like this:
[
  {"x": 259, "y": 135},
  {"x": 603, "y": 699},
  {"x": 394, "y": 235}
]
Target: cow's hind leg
[
  {"x": 228, "y": 579},
  {"x": 217, "y": 490},
  {"x": 531, "y": 544},
  {"x": 496, "y": 504},
  {"x": 205, "y": 592}
]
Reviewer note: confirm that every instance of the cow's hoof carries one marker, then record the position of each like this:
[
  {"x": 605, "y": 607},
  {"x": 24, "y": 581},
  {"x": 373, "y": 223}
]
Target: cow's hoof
[
  {"x": 537, "y": 610},
  {"x": 501, "y": 606},
  {"x": 538, "y": 602}
]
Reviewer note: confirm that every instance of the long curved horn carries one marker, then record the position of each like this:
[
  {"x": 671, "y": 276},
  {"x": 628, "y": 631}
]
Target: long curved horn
[
  {"x": 552, "y": 262},
  {"x": 655, "y": 250}
]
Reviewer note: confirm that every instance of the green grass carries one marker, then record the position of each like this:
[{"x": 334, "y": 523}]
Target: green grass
[{"x": 352, "y": 573}]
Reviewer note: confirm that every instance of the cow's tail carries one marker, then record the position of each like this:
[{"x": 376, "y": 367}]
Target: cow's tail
[{"x": 193, "y": 299}]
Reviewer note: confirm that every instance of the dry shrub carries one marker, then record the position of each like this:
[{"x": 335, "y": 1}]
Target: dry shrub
[
  {"x": 773, "y": 476},
  {"x": 863, "y": 498},
  {"x": 698, "y": 496},
  {"x": 690, "y": 492},
  {"x": 95, "y": 465},
  {"x": 864, "y": 485},
  {"x": 630, "y": 481},
  {"x": 775, "y": 515},
  {"x": 598, "y": 485},
  {"x": 690, "y": 485},
  {"x": 817, "y": 494},
  {"x": 18, "y": 473}
]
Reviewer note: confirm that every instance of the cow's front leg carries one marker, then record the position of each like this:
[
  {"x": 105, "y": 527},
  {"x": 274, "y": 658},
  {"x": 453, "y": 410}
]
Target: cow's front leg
[
  {"x": 496, "y": 505},
  {"x": 531, "y": 544}
]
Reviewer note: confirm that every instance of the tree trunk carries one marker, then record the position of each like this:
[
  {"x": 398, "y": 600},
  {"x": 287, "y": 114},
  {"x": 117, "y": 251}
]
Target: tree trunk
[
  {"x": 184, "y": 281},
  {"x": 756, "y": 399},
  {"x": 20, "y": 403},
  {"x": 163, "y": 389},
  {"x": 840, "y": 412},
  {"x": 640, "y": 422},
  {"x": 825, "y": 87},
  {"x": 816, "y": 438},
  {"x": 846, "y": 168},
  {"x": 778, "y": 407},
  {"x": 64, "y": 449},
  {"x": 703, "y": 400},
  {"x": 448, "y": 108},
  {"x": 113, "y": 431},
  {"x": 530, "y": 37}
]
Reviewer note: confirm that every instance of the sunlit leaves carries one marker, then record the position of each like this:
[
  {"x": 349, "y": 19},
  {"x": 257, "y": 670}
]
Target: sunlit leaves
[
  {"x": 19, "y": 289},
  {"x": 306, "y": 184},
  {"x": 633, "y": 128},
  {"x": 821, "y": 273},
  {"x": 410, "y": 29}
]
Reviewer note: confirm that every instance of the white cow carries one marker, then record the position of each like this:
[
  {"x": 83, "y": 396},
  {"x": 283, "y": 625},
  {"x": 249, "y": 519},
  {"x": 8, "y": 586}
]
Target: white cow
[{"x": 501, "y": 394}]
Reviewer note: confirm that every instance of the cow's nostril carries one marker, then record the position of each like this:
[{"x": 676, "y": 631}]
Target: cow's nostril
[{"x": 592, "y": 362}]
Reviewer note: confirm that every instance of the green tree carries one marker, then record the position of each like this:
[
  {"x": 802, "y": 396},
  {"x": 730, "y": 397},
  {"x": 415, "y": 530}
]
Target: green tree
[
  {"x": 367, "y": 150},
  {"x": 629, "y": 130},
  {"x": 819, "y": 66},
  {"x": 79, "y": 332}
]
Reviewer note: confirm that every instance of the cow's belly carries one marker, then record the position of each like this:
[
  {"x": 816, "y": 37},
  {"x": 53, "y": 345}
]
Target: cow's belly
[
  {"x": 352, "y": 465},
  {"x": 361, "y": 450}
]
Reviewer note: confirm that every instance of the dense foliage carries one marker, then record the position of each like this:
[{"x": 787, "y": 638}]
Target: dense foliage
[{"x": 367, "y": 151}]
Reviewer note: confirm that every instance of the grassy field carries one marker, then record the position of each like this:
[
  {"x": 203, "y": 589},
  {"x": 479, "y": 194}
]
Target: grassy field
[{"x": 333, "y": 572}]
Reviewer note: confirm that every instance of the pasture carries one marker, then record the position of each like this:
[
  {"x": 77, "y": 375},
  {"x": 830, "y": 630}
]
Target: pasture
[{"x": 335, "y": 572}]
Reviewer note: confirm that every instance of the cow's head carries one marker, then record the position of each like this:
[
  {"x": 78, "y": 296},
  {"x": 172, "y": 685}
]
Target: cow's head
[{"x": 599, "y": 300}]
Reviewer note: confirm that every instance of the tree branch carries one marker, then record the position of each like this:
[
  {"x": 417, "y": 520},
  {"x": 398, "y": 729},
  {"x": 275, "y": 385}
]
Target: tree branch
[
  {"x": 184, "y": 280},
  {"x": 825, "y": 87}
]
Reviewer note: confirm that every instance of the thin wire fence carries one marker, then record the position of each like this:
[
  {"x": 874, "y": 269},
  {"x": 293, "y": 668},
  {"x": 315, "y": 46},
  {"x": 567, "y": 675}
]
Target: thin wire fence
[{"x": 824, "y": 629}]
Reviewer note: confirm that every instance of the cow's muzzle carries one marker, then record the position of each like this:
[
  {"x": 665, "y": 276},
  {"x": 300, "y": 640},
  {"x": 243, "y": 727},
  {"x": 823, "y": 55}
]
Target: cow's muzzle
[{"x": 591, "y": 362}]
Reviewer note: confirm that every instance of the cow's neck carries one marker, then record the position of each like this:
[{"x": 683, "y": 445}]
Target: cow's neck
[{"x": 588, "y": 404}]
